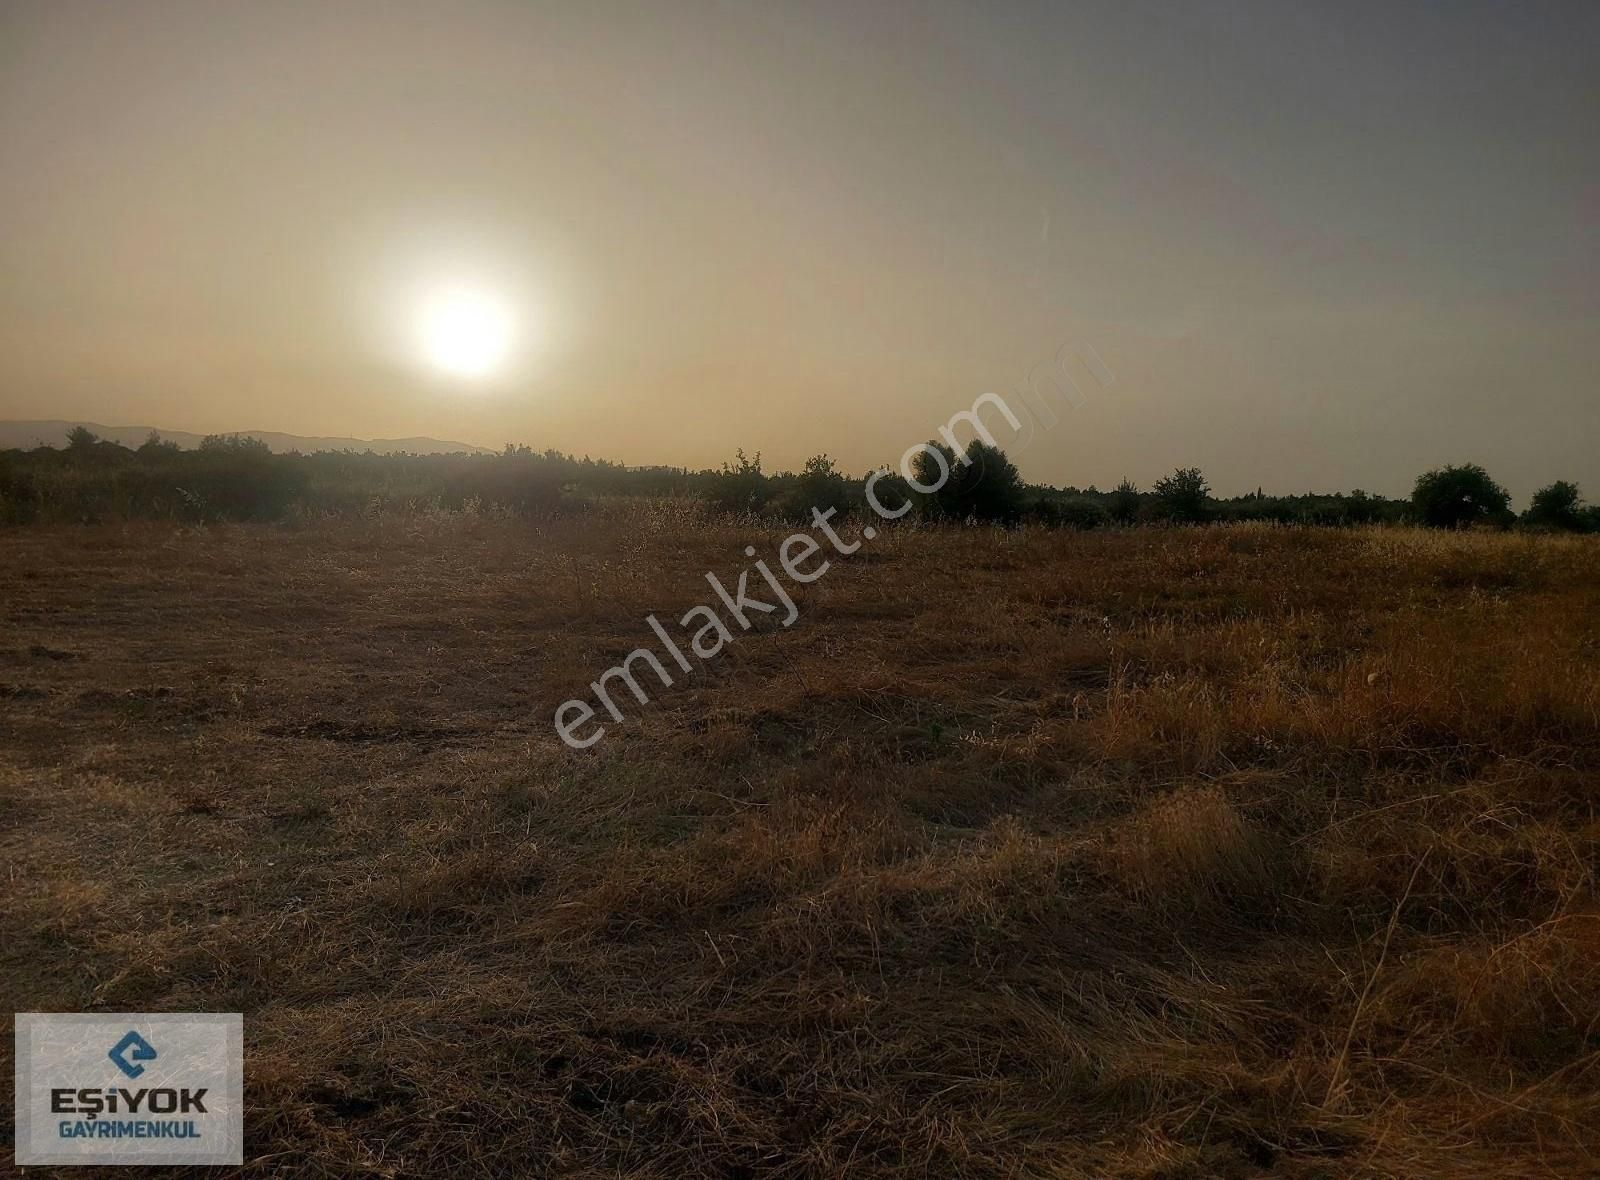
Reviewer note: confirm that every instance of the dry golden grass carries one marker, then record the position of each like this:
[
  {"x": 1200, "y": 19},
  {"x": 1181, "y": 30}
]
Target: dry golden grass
[{"x": 1158, "y": 853}]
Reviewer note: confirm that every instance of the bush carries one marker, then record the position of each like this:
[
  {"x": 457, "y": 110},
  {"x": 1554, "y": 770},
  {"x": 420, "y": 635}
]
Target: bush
[
  {"x": 891, "y": 491},
  {"x": 19, "y": 493},
  {"x": 740, "y": 486},
  {"x": 517, "y": 480},
  {"x": 1044, "y": 511},
  {"x": 154, "y": 445},
  {"x": 1459, "y": 497},
  {"x": 1361, "y": 508},
  {"x": 1067, "y": 513},
  {"x": 229, "y": 478},
  {"x": 821, "y": 487}
]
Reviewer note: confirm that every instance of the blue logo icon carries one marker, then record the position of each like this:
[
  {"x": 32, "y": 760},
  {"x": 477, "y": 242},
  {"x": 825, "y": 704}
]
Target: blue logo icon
[{"x": 135, "y": 1046}]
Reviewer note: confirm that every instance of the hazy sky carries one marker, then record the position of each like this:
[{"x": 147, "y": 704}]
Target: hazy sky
[{"x": 1321, "y": 245}]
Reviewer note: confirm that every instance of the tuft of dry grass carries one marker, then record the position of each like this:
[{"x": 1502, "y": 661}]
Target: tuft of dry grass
[
  {"x": 1192, "y": 848},
  {"x": 1147, "y": 853}
]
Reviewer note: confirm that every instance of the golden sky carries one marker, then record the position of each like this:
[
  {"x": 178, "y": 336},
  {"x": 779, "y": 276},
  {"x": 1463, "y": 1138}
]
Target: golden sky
[{"x": 1320, "y": 245}]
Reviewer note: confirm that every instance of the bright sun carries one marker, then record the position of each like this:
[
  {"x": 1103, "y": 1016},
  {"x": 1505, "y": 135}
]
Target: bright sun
[{"x": 466, "y": 332}]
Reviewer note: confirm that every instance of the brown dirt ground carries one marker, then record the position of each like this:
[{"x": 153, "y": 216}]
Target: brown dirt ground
[{"x": 1149, "y": 853}]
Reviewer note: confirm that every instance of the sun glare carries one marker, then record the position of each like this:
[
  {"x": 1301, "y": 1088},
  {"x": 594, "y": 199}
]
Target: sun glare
[{"x": 466, "y": 332}]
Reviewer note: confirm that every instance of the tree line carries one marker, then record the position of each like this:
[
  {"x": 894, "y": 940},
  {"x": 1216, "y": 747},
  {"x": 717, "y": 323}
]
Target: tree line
[{"x": 231, "y": 477}]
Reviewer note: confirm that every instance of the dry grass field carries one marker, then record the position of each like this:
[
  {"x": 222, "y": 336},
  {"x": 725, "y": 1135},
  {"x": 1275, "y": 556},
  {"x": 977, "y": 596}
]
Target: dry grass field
[{"x": 1149, "y": 853}]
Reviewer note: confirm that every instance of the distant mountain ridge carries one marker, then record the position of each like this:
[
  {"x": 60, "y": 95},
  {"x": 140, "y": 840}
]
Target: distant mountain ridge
[{"x": 53, "y": 433}]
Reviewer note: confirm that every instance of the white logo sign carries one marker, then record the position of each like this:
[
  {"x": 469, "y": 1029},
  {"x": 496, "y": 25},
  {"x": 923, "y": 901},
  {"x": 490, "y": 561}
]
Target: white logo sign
[{"x": 130, "y": 1088}]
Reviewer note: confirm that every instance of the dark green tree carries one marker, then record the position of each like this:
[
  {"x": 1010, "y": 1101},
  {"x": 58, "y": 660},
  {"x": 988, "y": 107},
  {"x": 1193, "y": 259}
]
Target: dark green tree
[
  {"x": 934, "y": 468},
  {"x": 1559, "y": 506},
  {"x": 989, "y": 484},
  {"x": 154, "y": 445},
  {"x": 1458, "y": 497},
  {"x": 1184, "y": 494},
  {"x": 81, "y": 438},
  {"x": 1124, "y": 502},
  {"x": 979, "y": 484}
]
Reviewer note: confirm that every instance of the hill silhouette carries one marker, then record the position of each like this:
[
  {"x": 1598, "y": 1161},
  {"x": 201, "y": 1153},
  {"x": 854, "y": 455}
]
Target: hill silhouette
[{"x": 25, "y": 435}]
